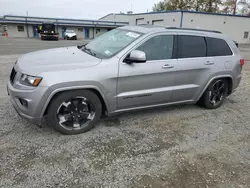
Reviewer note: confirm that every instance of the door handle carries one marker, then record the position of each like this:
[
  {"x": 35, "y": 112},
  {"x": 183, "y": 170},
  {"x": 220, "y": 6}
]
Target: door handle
[
  {"x": 167, "y": 66},
  {"x": 209, "y": 63}
]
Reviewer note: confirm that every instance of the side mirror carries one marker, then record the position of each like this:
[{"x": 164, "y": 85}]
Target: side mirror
[{"x": 136, "y": 56}]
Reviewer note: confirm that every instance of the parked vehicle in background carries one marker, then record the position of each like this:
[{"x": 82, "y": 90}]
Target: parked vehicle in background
[
  {"x": 128, "y": 68},
  {"x": 70, "y": 35},
  {"x": 48, "y": 31}
]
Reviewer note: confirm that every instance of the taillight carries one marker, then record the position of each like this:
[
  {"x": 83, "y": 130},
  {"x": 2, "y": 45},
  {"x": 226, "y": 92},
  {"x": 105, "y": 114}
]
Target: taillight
[{"x": 242, "y": 62}]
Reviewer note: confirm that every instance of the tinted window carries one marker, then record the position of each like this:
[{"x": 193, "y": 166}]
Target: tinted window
[
  {"x": 217, "y": 47},
  {"x": 158, "y": 48},
  {"x": 191, "y": 46}
]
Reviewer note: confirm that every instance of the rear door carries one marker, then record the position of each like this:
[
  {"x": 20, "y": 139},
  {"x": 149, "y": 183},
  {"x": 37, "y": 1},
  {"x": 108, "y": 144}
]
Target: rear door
[{"x": 194, "y": 68}]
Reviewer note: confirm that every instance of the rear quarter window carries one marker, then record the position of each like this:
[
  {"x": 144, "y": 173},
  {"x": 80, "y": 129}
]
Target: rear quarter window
[{"x": 217, "y": 47}]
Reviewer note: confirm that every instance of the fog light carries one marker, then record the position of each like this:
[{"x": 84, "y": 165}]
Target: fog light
[{"x": 23, "y": 102}]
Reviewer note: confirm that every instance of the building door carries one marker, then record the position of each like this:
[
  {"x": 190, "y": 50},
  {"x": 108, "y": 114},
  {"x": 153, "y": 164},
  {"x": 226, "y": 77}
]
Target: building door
[
  {"x": 35, "y": 32},
  {"x": 63, "y": 31},
  {"x": 86, "y": 33}
]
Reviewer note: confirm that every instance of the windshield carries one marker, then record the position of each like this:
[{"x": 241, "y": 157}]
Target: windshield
[
  {"x": 69, "y": 31},
  {"x": 48, "y": 26},
  {"x": 112, "y": 42}
]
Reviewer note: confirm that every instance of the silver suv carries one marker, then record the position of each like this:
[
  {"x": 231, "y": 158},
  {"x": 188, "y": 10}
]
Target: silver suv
[{"x": 128, "y": 68}]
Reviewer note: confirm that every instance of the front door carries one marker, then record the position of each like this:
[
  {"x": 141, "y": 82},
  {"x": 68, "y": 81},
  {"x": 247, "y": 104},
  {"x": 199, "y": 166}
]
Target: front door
[
  {"x": 86, "y": 33},
  {"x": 150, "y": 83}
]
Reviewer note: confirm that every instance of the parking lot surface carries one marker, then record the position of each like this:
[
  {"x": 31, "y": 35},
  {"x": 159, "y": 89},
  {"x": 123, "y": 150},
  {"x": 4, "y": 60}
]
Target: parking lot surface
[{"x": 181, "y": 146}]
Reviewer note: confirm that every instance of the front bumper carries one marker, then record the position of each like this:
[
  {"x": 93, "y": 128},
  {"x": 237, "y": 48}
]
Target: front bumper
[
  {"x": 70, "y": 38},
  {"x": 31, "y": 112},
  {"x": 51, "y": 37}
]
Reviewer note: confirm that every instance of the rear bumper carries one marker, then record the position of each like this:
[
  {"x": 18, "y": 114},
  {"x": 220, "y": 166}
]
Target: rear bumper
[{"x": 237, "y": 82}]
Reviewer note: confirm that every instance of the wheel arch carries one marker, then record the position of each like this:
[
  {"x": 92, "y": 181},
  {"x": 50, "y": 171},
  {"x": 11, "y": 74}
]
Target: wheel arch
[
  {"x": 94, "y": 89},
  {"x": 229, "y": 78}
]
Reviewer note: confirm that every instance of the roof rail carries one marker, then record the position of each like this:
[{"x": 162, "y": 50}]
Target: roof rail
[{"x": 192, "y": 29}]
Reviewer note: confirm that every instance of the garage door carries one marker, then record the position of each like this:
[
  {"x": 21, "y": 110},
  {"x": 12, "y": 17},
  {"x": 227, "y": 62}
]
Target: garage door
[{"x": 157, "y": 22}]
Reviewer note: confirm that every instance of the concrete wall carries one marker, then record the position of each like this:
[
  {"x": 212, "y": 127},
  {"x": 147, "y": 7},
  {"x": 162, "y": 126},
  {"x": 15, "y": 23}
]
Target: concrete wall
[
  {"x": 13, "y": 32},
  {"x": 167, "y": 19},
  {"x": 229, "y": 25},
  {"x": 100, "y": 31},
  {"x": 118, "y": 18},
  {"x": 232, "y": 26}
]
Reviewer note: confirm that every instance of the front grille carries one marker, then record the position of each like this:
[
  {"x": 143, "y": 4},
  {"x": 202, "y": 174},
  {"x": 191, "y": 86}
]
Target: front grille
[{"x": 12, "y": 75}]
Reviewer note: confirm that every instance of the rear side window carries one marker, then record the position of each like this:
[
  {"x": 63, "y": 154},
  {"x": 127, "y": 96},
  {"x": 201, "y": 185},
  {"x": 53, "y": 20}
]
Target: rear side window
[
  {"x": 217, "y": 47},
  {"x": 191, "y": 46}
]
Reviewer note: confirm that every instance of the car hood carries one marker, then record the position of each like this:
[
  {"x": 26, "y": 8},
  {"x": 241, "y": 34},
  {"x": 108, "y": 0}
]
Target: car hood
[
  {"x": 55, "y": 59},
  {"x": 70, "y": 34}
]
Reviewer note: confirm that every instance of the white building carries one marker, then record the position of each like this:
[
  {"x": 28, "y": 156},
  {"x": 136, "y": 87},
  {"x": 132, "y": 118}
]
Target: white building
[
  {"x": 23, "y": 26},
  {"x": 235, "y": 26}
]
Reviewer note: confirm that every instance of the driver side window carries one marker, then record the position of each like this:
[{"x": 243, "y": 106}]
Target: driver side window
[{"x": 158, "y": 48}]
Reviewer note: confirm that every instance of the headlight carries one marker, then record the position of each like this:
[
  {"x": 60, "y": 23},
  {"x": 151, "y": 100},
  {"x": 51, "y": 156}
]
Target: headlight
[{"x": 30, "y": 80}]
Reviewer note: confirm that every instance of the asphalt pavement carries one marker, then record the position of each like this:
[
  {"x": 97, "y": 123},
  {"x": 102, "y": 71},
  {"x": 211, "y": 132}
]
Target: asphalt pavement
[{"x": 9, "y": 46}]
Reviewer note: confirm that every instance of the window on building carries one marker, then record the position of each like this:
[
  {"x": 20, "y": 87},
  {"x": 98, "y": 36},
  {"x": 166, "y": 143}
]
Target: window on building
[
  {"x": 191, "y": 46},
  {"x": 157, "y": 22},
  {"x": 80, "y": 29},
  {"x": 217, "y": 47},
  {"x": 98, "y": 31},
  {"x": 139, "y": 21},
  {"x": 109, "y": 29},
  {"x": 20, "y": 28},
  {"x": 158, "y": 48},
  {"x": 246, "y": 35}
]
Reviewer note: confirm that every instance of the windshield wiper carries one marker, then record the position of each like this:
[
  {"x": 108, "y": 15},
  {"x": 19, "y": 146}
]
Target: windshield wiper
[{"x": 84, "y": 48}]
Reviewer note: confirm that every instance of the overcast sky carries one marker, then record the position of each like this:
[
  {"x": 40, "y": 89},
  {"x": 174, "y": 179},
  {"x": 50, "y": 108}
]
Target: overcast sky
[{"x": 92, "y": 9}]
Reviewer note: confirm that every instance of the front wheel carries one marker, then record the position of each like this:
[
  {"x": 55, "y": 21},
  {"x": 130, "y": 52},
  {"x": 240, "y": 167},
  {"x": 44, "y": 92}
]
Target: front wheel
[
  {"x": 215, "y": 94},
  {"x": 74, "y": 112}
]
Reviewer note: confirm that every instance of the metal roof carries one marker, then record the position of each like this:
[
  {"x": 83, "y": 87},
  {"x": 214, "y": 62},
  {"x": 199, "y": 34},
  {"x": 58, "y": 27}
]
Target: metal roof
[
  {"x": 59, "y": 21},
  {"x": 181, "y": 11}
]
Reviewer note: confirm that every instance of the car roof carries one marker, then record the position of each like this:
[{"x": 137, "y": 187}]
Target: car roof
[{"x": 152, "y": 28}]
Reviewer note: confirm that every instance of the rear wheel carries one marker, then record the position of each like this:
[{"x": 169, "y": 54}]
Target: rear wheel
[
  {"x": 74, "y": 112},
  {"x": 215, "y": 94}
]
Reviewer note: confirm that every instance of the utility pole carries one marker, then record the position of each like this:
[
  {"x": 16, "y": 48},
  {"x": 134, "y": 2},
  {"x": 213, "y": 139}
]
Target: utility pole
[{"x": 27, "y": 26}]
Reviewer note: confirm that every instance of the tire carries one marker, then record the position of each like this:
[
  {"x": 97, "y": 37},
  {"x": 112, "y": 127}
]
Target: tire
[
  {"x": 75, "y": 38},
  {"x": 206, "y": 101},
  {"x": 57, "y": 102}
]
